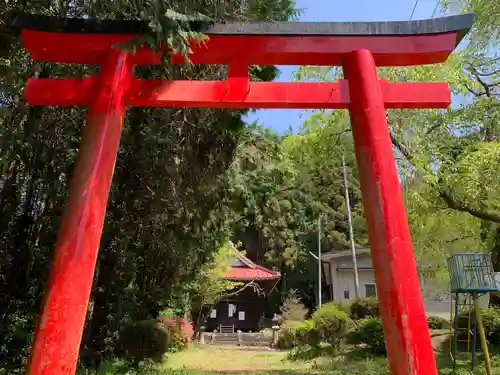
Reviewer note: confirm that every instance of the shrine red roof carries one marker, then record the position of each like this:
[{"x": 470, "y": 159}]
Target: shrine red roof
[{"x": 244, "y": 269}]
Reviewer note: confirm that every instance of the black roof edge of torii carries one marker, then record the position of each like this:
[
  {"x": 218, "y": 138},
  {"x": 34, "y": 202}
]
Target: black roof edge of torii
[{"x": 461, "y": 24}]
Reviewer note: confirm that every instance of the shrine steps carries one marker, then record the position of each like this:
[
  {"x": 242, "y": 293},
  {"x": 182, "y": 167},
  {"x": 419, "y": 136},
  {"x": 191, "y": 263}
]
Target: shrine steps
[{"x": 237, "y": 339}]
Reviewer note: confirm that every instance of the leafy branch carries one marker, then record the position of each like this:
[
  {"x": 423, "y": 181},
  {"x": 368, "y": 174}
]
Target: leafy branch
[
  {"x": 455, "y": 203},
  {"x": 170, "y": 30},
  {"x": 451, "y": 200}
]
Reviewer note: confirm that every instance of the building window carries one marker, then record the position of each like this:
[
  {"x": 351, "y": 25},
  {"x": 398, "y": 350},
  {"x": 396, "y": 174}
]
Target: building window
[
  {"x": 231, "y": 310},
  {"x": 370, "y": 290},
  {"x": 346, "y": 294}
]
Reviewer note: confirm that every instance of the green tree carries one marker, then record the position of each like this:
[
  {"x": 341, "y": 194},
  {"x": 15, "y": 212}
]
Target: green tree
[
  {"x": 448, "y": 159},
  {"x": 209, "y": 287},
  {"x": 486, "y": 31},
  {"x": 317, "y": 154},
  {"x": 280, "y": 186}
]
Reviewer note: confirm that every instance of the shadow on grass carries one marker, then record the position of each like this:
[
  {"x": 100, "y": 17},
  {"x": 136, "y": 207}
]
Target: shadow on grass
[
  {"x": 309, "y": 353},
  {"x": 346, "y": 355},
  {"x": 122, "y": 368}
]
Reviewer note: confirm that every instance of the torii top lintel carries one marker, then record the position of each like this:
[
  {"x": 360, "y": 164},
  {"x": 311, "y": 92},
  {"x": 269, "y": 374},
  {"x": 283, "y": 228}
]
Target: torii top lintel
[
  {"x": 257, "y": 43},
  {"x": 239, "y": 45}
]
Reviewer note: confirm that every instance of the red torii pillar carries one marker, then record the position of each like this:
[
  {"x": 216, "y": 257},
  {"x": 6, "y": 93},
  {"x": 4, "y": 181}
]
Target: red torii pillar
[{"x": 358, "y": 47}]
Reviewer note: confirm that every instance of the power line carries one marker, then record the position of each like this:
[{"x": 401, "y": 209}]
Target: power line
[
  {"x": 413, "y": 11},
  {"x": 436, "y": 8}
]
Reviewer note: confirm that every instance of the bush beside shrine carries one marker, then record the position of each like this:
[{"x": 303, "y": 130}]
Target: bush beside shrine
[
  {"x": 364, "y": 307},
  {"x": 368, "y": 331},
  {"x": 437, "y": 322},
  {"x": 331, "y": 324},
  {"x": 152, "y": 339},
  {"x": 327, "y": 325}
]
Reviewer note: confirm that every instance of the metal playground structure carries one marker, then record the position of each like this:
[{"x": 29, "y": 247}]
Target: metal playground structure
[
  {"x": 471, "y": 277},
  {"x": 358, "y": 47}
]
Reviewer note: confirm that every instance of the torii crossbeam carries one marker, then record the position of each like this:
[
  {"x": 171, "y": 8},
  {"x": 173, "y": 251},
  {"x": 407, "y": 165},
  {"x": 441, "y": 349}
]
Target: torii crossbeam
[{"x": 358, "y": 47}]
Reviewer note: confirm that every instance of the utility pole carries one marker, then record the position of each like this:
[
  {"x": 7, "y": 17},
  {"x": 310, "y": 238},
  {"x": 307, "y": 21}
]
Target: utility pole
[
  {"x": 319, "y": 262},
  {"x": 351, "y": 234}
]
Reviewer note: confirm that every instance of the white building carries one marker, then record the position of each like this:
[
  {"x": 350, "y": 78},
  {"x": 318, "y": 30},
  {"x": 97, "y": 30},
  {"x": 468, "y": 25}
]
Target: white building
[{"x": 339, "y": 275}]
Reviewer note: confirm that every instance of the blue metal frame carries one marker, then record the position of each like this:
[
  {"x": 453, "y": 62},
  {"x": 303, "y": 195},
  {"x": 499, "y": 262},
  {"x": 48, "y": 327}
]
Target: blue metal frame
[{"x": 472, "y": 273}]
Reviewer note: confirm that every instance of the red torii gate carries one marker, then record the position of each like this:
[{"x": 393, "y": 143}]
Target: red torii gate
[{"x": 358, "y": 47}]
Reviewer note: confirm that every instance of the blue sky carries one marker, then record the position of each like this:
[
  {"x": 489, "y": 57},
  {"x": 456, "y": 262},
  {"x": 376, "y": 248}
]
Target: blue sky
[{"x": 339, "y": 10}]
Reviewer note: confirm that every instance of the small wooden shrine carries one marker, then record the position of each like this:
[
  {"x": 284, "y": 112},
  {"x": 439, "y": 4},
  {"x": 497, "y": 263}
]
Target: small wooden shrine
[{"x": 243, "y": 311}]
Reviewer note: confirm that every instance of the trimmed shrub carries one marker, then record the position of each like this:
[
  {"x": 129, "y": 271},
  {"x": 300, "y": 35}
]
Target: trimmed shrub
[
  {"x": 294, "y": 334},
  {"x": 187, "y": 329},
  {"x": 306, "y": 333},
  {"x": 436, "y": 322},
  {"x": 286, "y": 335},
  {"x": 339, "y": 305},
  {"x": 364, "y": 307},
  {"x": 369, "y": 331},
  {"x": 181, "y": 332},
  {"x": 293, "y": 313},
  {"x": 331, "y": 324},
  {"x": 178, "y": 341},
  {"x": 152, "y": 339},
  {"x": 144, "y": 340}
]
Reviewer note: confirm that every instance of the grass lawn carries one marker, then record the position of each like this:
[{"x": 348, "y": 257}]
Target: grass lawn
[
  {"x": 231, "y": 360},
  {"x": 210, "y": 360},
  {"x": 219, "y": 360}
]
